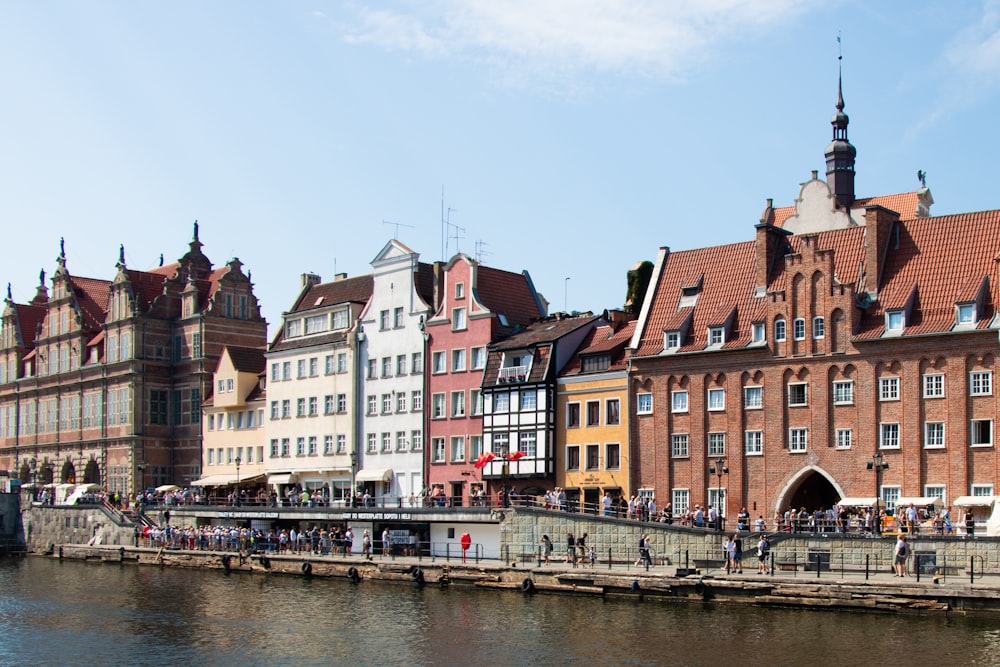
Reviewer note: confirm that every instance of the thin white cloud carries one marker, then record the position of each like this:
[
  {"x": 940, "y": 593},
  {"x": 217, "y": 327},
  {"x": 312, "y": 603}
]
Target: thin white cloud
[{"x": 545, "y": 38}]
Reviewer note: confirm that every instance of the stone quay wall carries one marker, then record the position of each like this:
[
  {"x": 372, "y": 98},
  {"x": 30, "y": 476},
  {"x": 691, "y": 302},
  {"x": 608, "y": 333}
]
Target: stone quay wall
[{"x": 46, "y": 527}]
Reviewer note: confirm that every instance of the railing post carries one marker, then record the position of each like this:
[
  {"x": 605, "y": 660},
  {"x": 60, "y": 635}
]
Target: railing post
[
  {"x": 609, "y": 558},
  {"x": 867, "y": 563},
  {"x": 972, "y": 569}
]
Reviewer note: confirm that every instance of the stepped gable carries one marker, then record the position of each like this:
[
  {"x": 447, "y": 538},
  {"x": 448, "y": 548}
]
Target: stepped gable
[
  {"x": 947, "y": 259},
  {"x": 508, "y": 294},
  {"x": 727, "y": 281},
  {"x": 904, "y": 203}
]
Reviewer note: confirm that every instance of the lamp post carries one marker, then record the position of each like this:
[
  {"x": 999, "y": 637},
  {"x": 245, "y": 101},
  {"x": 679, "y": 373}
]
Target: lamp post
[
  {"x": 238, "y": 461},
  {"x": 878, "y": 464},
  {"x": 718, "y": 468},
  {"x": 354, "y": 472},
  {"x": 33, "y": 465}
]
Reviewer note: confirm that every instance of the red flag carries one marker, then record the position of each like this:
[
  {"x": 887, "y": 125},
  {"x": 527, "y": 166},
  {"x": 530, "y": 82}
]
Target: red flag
[{"x": 483, "y": 459}]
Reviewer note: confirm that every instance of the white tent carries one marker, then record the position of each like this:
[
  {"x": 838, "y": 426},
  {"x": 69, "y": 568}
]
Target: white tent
[
  {"x": 857, "y": 502},
  {"x": 920, "y": 502}
]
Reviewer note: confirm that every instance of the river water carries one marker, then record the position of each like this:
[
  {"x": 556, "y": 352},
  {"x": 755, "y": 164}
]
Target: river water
[{"x": 75, "y": 613}]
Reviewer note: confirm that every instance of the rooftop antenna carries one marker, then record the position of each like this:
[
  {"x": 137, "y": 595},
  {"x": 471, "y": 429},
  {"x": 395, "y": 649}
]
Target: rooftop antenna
[
  {"x": 448, "y": 229},
  {"x": 481, "y": 250},
  {"x": 397, "y": 225}
]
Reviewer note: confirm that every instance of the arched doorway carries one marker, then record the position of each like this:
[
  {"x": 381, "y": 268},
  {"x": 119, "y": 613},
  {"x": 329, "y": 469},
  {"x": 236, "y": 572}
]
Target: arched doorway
[
  {"x": 92, "y": 473},
  {"x": 812, "y": 489},
  {"x": 68, "y": 475}
]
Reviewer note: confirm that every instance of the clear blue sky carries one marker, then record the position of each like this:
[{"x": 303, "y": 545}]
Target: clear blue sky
[{"x": 572, "y": 138}]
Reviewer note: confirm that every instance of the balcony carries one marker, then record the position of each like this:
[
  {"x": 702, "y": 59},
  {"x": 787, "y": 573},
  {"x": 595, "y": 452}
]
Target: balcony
[{"x": 512, "y": 374}]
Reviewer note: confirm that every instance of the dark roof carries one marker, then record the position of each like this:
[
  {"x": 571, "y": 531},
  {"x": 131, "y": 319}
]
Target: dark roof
[
  {"x": 346, "y": 290},
  {"x": 247, "y": 359},
  {"x": 603, "y": 339},
  {"x": 508, "y": 294}
]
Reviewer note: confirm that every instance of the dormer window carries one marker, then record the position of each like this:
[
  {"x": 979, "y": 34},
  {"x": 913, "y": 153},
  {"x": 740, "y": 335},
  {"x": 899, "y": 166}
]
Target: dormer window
[
  {"x": 716, "y": 335},
  {"x": 757, "y": 334},
  {"x": 671, "y": 340},
  {"x": 596, "y": 362},
  {"x": 966, "y": 313},
  {"x": 293, "y": 328},
  {"x": 689, "y": 292},
  {"x": 894, "y": 321}
]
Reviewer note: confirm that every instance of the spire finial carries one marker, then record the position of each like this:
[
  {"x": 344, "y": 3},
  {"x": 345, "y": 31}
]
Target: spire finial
[
  {"x": 195, "y": 230},
  {"x": 62, "y": 247},
  {"x": 840, "y": 73},
  {"x": 41, "y": 277},
  {"x": 121, "y": 254},
  {"x": 10, "y": 297}
]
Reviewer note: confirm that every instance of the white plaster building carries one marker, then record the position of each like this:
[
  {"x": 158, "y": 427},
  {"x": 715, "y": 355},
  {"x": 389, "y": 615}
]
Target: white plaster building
[
  {"x": 312, "y": 367},
  {"x": 393, "y": 348}
]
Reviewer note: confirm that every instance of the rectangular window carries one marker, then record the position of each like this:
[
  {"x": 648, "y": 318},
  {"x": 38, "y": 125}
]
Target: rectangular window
[
  {"x": 501, "y": 444},
  {"x": 933, "y": 385},
  {"x": 981, "y": 434},
  {"x": 300, "y": 369},
  {"x": 980, "y": 490},
  {"x": 458, "y": 403},
  {"x": 437, "y": 450},
  {"x": 501, "y": 402},
  {"x": 275, "y": 410},
  {"x": 438, "y": 362},
  {"x": 459, "y": 291},
  {"x": 401, "y": 443},
  {"x": 342, "y": 362},
  {"x": 157, "y": 408},
  {"x": 417, "y": 363},
  {"x": 716, "y": 444},
  {"x": 819, "y": 327},
  {"x": 416, "y": 400},
  {"x": 681, "y": 499},
  {"x": 888, "y": 435},
  {"x": 330, "y": 364},
  {"x": 371, "y": 443},
  {"x": 327, "y": 445},
  {"x": 328, "y": 406},
  {"x": 966, "y": 313},
  {"x": 286, "y": 370},
  {"x": 313, "y": 406},
  {"x": 572, "y": 457},
  {"x": 679, "y": 445},
  {"x": 401, "y": 402},
  {"x": 341, "y": 319},
  {"x": 844, "y": 438},
  {"x": 779, "y": 330},
  {"x": 285, "y": 447},
  {"x": 313, "y": 367},
  {"x": 672, "y": 340},
  {"x": 300, "y": 407},
  {"x": 458, "y": 360},
  {"x": 438, "y": 406},
  {"x": 386, "y": 367},
  {"x": 274, "y": 448},
  {"x": 372, "y": 369},
  {"x": 300, "y": 446},
  {"x": 397, "y": 318},
  {"x": 341, "y": 444},
  {"x": 572, "y": 415},
  {"x": 312, "y": 445},
  {"x": 416, "y": 441},
  {"x": 678, "y": 401},
  {"x": 612, "y": 456},
  {"x": 458, "y": 319},
  {"x": 798, "y": 439},
  {"x": 386, "y": 442},
  {"x": 890, "y": 496},
  {"x": 372, "y": 403},
  {"x": 894, "y": 320},
  {"x": 843, "y": 392},
  {"x": 716, "y": 399},
  {"x": 797, "y": 394},
  {"x": 935, "y": 491},
  {"x": 593, "y": 457},
  {"x": 476, "y": 445},
  {"x": 457, "y": 448},
  {"x": 275, "y": 372},
  {"x": 478, "y": 358},
  {"x": 386, "y": 403},
  {"x": 528, "y": 399},
  {"x": 753, "y": 398},
  {"x": 527, "y": 443},
  {"x": 980, "y": 383},
  {"x": 383, "y": 320},
  {"x": 593, "y": 413},
  {"x": 933, "y": 434},
  {"x": 888, "y": 389},
  {"x": 400, "y": 364},
  {"x": 612, "y": 415},
  {"x": 476, "y": 401},
  {"x": 753, "y": 443},
  {"x": 716, "y": 335},
  {"x": 644, "y": 404}
]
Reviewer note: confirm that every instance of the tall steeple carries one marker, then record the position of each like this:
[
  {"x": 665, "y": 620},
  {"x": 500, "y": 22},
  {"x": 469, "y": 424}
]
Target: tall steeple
[{"x": 840, "y": 154}]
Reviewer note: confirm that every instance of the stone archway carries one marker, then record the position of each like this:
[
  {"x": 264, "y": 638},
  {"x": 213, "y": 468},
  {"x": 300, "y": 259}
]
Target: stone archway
[
  {"x": 812, "y": 488},
  {"x": 68, "y": 475},
  {"x": 92, "y": 473}
]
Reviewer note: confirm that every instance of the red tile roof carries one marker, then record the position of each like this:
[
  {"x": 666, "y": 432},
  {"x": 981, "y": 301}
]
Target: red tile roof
[
  {"x": 324, "y": 295},
  {"x": 29, "y": 318},
  {"x": 904, "y": 203},
  {"x": 508, "y": 294},
  {"x": 604, "y": 339},
  {"x": 92, "y": 297}
]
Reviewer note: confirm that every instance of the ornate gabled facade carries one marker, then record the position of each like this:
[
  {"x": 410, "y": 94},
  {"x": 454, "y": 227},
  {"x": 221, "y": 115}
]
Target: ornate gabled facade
[
  {"x": 478, "y": 305},
  {"x": 314, "y": 362},
  {"x": 104, "y": 380},
  {"x": 784, "y": 371},
  {"x": 519, "y": 402}
]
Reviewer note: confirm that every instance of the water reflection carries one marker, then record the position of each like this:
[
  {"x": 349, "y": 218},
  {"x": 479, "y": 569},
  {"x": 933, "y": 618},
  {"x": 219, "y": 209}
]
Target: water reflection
[{"x": 55, "y": 613}]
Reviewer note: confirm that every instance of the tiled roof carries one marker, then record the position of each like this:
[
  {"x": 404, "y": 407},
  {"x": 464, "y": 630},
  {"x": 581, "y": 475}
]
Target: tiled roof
[
  {"x": 92, "y": 297},
  {"x": 849, "y": 251},
  {"x": 728, "y": 281},
  {"x": 604, "y": 339},
  {"x": 425, "y": 283},
  {"x": 29, "y": 317},
  {"x": 324, "y": 295},
  {"x": 246, "y": 359},
  {"x": 539, "y": 337},
  {"x": 943, "y": 256},
  {"x": 507, "y": 293},
  {"x": 904, "y": 203},
  {"x": 147, "y": 285}
]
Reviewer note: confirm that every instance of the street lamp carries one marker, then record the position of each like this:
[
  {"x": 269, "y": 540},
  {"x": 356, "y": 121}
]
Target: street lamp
[
  {"x": 33, "y": 464},
  {"x": 719, "y": 469},
  {"x": 878, "y": 464},
  {"x": 238, "y": 461},
  {"x": 354, "y": 469}
]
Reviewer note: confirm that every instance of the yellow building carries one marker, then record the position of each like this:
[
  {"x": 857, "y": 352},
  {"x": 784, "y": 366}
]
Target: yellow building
[
  {"x": 592, "y": 431},
  {"x": 233, "y": 442}
]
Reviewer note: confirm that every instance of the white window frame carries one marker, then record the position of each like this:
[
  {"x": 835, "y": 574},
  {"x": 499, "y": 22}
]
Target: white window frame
[
  {"x": 716, "y": 399},
  {"x": 799, "y": 328},
  {"x": 679, "y": 401},
  {"x": 780, "y": 330},
  {"x": 933, "y": 385},
  {"x": 754, "y": 390},
  {"x": 937, "y": 491},
  {"x": 888, "y": 388},
  {"x": 753, "y": 443},
  {"x": 439, "y": 362},
  {"x": 980, "y": 383},
  {"x": 805, "y": 394},
  {"x": 934, "y": 435},
  {"x": 458, "y": 360},
  {"x": 819, "y": 327},
  {"x": 680, "y": 445},
  {"x": 798, "y": 440},
  {"x": 717, "y": 443},
  {"x": 973, "y": 433},
  {"x": 890, "y": 495},
  {"x": 848, "y": 389},
  {"x": 671, "y": 340},
  {"x": 644, "y": 403},
  {"x": 437, "y": 450},
  {"x": 716, "y": 335},
  {"x": 895, "y": 320},
  {"x": 965, "y": 313},
  {"x": 844, "y": 438},
  {"x": 888, "y": 435},
  {"x": 439, "y": 406},
  {"x": 681, "y": 499},
  {"x": 980, "y": 490},
  {"x": 459, "y": 319}
]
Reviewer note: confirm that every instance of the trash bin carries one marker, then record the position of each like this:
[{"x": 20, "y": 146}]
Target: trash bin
[
  {"x": 925, "y": 562},
  {"x": 818, "y": 559}
]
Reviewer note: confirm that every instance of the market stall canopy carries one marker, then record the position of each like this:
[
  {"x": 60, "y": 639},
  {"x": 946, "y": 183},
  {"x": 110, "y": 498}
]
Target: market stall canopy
[
  {"x": 856, "y": 502},
  {"x": 282, "y": 479},
  {"x": 374, "y": 475},
  {"x": 167, "y": 488},
  {"x": 215, "y": 480},
  {"x": 974, "y": 501},
  {"x": 922, "y": 501}
]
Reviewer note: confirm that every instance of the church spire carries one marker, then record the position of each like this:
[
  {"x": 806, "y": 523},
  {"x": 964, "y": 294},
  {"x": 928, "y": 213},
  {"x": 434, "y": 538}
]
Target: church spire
[{"x": 840, "y": 153}]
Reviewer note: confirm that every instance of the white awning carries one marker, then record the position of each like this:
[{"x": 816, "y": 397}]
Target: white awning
[
  {"x": 215, "y": 480},
  {"x": 922, "y": 501},
  {"x": 974, "y": 501},
  {"x": 374, "y": 475},
  {"x": 287, "y": 478},
  {"x": 857, "y": 502}
]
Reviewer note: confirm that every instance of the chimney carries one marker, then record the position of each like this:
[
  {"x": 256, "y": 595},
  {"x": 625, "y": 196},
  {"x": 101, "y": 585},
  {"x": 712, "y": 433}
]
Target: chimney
[
  {"x": 770, "y": 245},
  {"x": 310, "y": 279},
  {"x": 337, "y": 277},
  {"x": 879, "y": 223}
]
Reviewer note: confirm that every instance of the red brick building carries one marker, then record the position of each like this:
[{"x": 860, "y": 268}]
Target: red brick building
[
  {"x": 103, "y": 380},
  {"x": 769, "y": 373}
]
